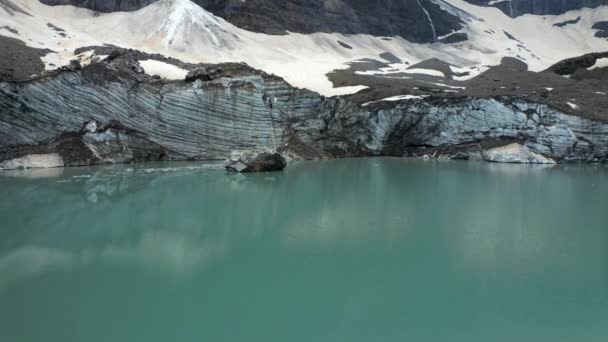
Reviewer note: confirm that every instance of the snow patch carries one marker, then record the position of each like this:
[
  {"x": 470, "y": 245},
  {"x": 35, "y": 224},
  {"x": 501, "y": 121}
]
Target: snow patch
[
  {"x": 445, "y": 85},
  {"x": 33, "y": 161},
  {"x": 599, "y": 63},
  {"x": 573, "y": 106},
  {"x": 344, "y": 90},
  {"x": 162, "y": 69},
  {"x": 429, "y": 72},
  {"x": 398, "y": 98}
]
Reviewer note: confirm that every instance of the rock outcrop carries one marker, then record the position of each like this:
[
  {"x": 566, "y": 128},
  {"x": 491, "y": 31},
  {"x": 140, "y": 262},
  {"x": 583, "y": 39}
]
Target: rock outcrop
[
  {"x": 516, "y": 8},
  {"x": 18, "y": 62},
  {"x": 108, "y": 113},
  {"x": 571, "y": 65},
  {"x": 255, "y": 161},
  {"x": 106, "y": 6},
  {"x": 602, "y": 29},
  {"x": 10, "y": 7}
]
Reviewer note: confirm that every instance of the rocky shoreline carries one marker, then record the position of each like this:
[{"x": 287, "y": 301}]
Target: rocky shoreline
[{"x": 111, "y": 112}]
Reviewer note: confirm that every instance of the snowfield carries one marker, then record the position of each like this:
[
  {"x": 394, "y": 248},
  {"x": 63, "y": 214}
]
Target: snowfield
[
  {"x": 599, "y": 63},
  {"x": 182, "y": 29},
  {"x": 164, "y": 70}
]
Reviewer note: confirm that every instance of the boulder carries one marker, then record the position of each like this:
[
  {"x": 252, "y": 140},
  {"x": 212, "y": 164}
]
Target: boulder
[
  {"x": 199, "y": 73},
  {"x": 515, "y": 153},
  {"x": 255, "y": 161}
]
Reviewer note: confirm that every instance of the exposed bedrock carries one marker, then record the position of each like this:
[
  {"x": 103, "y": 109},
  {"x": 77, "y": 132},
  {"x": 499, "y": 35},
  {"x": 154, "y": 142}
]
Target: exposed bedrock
[
  {"x": 103, "y": 5},
  {"x": 571, "y": 65},
  {"x": 77, "y": 117},
  {"x": 515, "y": 8},
  {"x": 415, "y": 20}
]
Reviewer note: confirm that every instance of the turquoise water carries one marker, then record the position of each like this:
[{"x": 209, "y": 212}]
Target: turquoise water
[{"x": 352, "y": 250}]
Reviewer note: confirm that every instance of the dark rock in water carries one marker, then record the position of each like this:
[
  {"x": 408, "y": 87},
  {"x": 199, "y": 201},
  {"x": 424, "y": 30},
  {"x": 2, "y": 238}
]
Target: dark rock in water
[{"x": 255, "y": 161}]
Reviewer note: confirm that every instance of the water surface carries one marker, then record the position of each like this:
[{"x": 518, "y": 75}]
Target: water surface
[{"x": 352, "y": 250}]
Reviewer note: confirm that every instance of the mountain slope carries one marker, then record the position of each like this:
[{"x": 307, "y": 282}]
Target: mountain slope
[
  {"x": 414, "y": 20},
  {"x": 182, "y": 29},
  {"x": 106, "y": 6},
  {"x": 515, "y": 8}
]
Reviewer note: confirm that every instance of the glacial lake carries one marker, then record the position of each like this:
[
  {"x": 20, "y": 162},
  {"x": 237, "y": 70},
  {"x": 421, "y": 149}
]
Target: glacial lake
[{"x": 356, "y": 250}]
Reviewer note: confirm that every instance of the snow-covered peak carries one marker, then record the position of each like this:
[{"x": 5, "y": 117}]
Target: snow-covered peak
[{"x": 187, "y": 24}]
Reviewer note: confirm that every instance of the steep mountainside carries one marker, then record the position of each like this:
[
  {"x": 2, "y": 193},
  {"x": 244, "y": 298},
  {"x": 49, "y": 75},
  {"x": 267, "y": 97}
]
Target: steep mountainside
[
  {"x": 185, "y": 30},
  {"x": 515, "y": 8},
  {"x": 105, "y": 6},
  {"x": 10, "y": 7},
  {"x": 414, "y": 20}
]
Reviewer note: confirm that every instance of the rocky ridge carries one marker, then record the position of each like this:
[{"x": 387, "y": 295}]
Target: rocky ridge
[
  {"x": 516, "y": 8},
  {"x": 105, "y": 6}
]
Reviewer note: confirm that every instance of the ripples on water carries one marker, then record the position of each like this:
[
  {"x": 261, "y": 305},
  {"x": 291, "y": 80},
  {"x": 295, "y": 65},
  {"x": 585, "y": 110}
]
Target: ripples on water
[{"x": 347, "y": 250}]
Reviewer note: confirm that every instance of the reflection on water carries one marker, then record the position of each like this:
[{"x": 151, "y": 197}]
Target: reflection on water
[
  {"x": 33, "y": 173},
  {"x": 357, "y": 250}
]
